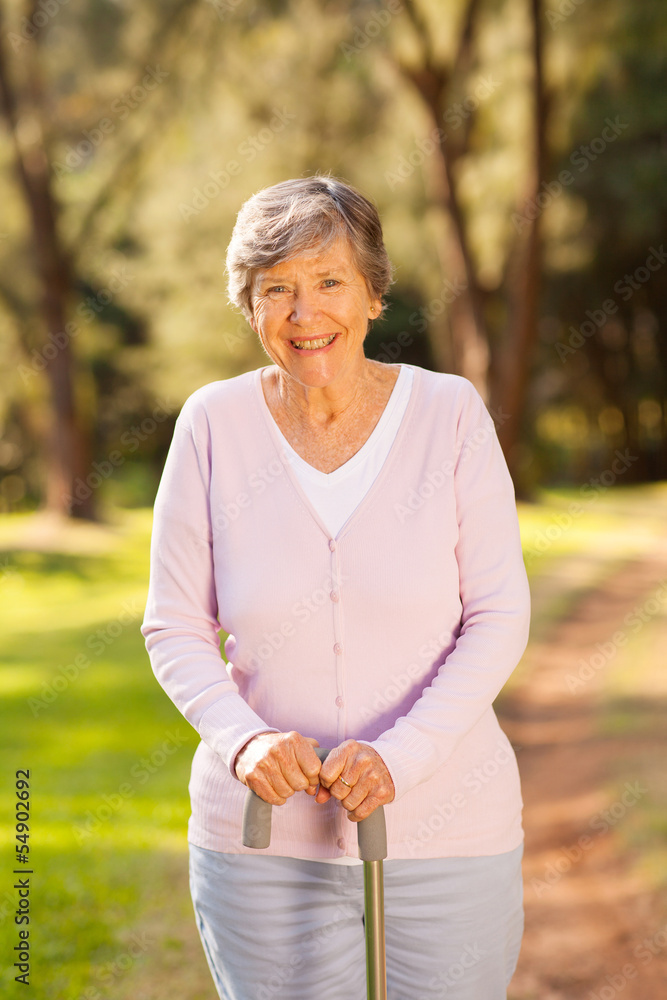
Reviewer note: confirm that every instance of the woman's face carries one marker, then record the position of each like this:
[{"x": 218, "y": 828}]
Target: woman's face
[{"x": 312, "y": 312}]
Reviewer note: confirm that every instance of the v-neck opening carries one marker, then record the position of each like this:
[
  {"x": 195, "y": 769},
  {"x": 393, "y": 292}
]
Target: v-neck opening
[
  {"x": 278, "y": 439},
  {"x": 351, "y": 465}
]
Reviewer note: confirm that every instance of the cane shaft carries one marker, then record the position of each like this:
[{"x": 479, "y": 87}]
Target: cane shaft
[{"x": 376, "y": 975}]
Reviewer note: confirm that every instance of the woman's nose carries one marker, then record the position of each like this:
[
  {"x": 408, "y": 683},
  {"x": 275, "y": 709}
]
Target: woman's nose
[{"x": 305, "y": 308}]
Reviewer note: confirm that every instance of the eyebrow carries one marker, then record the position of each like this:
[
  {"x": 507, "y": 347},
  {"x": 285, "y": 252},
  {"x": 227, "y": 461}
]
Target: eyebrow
[
  {"x": 266, "y": 279},
  {"x": 334, "y": 267}
]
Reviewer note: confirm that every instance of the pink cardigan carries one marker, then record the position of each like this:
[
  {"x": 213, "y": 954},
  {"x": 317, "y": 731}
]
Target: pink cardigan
[{"x": 400, "y": 631}]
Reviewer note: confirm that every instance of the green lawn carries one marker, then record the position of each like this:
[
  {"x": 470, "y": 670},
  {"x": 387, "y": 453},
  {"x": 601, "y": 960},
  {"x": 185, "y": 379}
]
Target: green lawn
[
  {"x": 109, "y": 760},
  {"x": 109, "y": 755}
]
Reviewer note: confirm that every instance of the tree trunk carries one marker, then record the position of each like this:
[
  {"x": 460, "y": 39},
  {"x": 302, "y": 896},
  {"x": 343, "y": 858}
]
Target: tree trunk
[
  {"x": 461, "y": 291},
  {"x": 68, "y": 453},
  {"x": 464, "y": 297},
  {"x": 512, "y": 373},
  {"x": 461, "y": 294}
]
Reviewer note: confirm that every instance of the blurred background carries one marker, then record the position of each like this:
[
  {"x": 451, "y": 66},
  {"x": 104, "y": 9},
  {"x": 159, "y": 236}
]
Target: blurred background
[{"x": 517, "y": 152}]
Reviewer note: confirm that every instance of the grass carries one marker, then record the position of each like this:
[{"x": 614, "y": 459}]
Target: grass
[
  {"x": 109, "y": 759},
  {"x": 109, "y": 755}
]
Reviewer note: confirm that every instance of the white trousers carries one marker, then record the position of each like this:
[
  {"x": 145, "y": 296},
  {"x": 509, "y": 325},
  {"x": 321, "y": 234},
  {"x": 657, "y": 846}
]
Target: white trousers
[{"x": 277, "y": 928}]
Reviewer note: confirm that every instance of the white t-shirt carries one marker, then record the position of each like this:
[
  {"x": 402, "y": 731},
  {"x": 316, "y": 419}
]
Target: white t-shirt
[{"x": 335, "y": 495}]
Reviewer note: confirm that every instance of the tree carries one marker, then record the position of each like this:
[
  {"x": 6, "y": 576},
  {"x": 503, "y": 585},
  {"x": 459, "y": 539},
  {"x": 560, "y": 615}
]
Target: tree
[
  {"x": 60, "y": 265},
  {"x": 496, "y": 362},
  {"x": 23, "y": 102}
]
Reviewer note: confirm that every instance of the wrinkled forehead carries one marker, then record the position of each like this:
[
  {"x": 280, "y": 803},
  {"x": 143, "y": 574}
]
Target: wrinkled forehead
[{"x": 314, "y": 262}]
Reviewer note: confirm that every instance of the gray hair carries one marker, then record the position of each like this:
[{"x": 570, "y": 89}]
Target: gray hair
[{"x": 298, "y": 216}]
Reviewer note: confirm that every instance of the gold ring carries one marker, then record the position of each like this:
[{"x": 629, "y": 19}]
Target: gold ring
[{"x": 347, "y": 783}]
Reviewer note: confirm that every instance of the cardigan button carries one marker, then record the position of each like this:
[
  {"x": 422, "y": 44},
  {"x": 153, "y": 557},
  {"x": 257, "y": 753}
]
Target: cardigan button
[
  {"x": 341, "y": 843},
  {"x": 338, "y": 649},
  {"x": 339, "y": 701},
  {"x": 332, "y": 545},
  {"x": 334, "y": 595}
]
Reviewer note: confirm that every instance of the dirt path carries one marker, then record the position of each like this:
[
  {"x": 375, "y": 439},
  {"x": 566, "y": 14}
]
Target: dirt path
[{"x": 595, "y": 928}]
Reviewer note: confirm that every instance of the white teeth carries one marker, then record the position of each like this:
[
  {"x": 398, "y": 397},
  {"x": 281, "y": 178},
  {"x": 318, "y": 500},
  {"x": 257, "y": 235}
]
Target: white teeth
[{"x": 311, "y": 345}]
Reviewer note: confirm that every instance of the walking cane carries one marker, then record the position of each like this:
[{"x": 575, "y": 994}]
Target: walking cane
[{"x": 372, "y": 836}]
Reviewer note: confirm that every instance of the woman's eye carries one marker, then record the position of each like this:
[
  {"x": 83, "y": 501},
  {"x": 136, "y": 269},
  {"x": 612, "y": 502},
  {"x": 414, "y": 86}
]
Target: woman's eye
[
  {"x": 330, "y": 282},
  {"x": 277, "y": 288}
]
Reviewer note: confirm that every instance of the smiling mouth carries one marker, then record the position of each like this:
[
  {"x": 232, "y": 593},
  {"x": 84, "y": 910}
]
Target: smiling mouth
[{"x": 312, "y": 345}]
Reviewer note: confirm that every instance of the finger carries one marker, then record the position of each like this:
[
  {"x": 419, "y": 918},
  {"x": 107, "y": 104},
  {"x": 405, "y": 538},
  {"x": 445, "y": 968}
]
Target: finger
[
  {"x": 367, "y": 796},
  {"x": 266, "y": 778},
  {"x": 374, "y": 788},
  {"x": 348, "y": 780},
  {"x": 339, "y": 761},
  {"x": 352, "y": 797},
  {"x": 292, "y": 772},
  {"x": 344, "y": 790},
  {"x": 266, "y": 792},
  {"x": 285, "y": 763},
  {"x": 276, "y": 765},
  {"x": 308, "y": 762},
  {"x": 362, "y": 811}
]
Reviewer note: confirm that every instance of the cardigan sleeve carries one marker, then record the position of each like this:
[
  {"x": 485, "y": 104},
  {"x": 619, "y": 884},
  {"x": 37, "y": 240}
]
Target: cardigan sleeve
[
  {"x": 495, "y": 617},
  {"x": 180, "y": 624}
]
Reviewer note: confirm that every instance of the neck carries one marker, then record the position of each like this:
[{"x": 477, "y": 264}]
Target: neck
[{"x": 324, "y": 406}]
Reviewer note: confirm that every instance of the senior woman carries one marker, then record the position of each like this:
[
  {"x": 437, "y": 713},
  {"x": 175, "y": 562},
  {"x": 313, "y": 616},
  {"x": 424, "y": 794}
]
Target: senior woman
[{"x": 351, "y": 526}]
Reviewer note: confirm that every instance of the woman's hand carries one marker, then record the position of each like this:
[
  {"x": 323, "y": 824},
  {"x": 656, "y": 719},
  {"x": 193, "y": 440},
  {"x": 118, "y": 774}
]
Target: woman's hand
[
  {"x": 363, "y": 769},
  {"x": 276, "y": 765}
]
